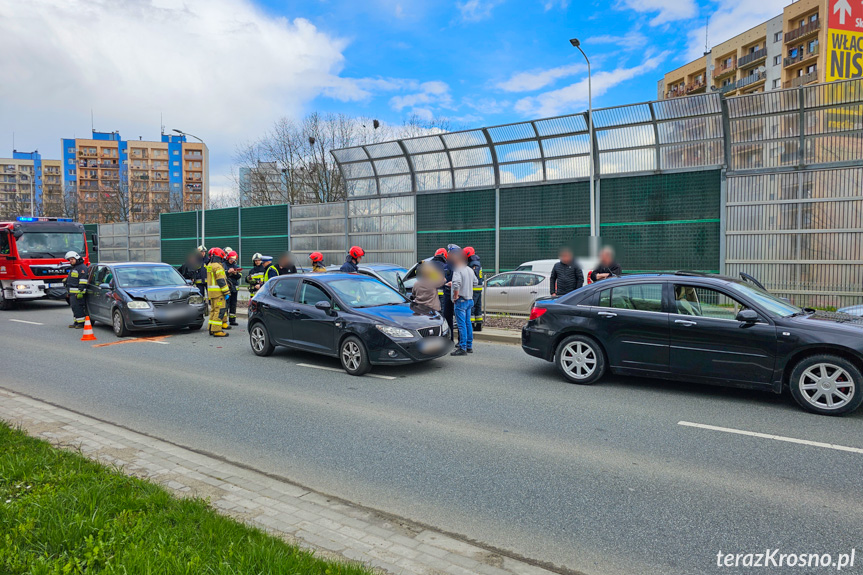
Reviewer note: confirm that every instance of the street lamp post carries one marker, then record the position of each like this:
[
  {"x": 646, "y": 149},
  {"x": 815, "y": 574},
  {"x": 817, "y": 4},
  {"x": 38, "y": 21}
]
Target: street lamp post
[
  {"x": 594, "y": 216},
  {"x": 205, "y": 192}
]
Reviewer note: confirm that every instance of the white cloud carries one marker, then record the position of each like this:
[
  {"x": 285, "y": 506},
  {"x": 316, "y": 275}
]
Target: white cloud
[
  {"x": 550, "y": 4},
  {"x": 730, "y": 18},
  {"x": 629, "y": 41},
  {"x": 476, "y": 10},
  {"x": 574, "y": 97},
  {"x": 430, "y": 93},
  {"x": 538, "y": 79},
  {"x": 668, "y": 10}
]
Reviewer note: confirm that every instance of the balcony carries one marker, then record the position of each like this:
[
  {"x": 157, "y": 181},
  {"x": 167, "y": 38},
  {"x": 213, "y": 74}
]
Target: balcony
[
  {"x": 193, "y": 156},
  {"x": 801, "y": 57},
  {"x": 87, "y": 153},
  {"x": 751, "y": 80},
  {"x": 803, "y": 80},
  {"x": 725, "y": 69},
  {"x": 803, "y": 31},
  {"x": 752, "y": 58},
  {"x": 694, "y": 87},
  {"x": 109, "y": 165}
]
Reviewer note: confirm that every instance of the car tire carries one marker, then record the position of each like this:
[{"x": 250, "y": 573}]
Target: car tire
[
  {"x": 580, "y": 359},
  {"x": 196, "y": 326},
  {"x": 259, "y": 339},
  {"x": 354, "y": 357},
  {"x": 5, "y": 304},
  {"x": 119, "y": 324},
  {"x": 826, "y": 384}
]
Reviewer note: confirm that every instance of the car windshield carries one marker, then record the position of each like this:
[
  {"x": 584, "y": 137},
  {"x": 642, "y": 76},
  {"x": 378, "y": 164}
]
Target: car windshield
[
  {"x": 391, "y": 276},
  {"x": 148, "y": 276},
  {"x": 773, "y": 305},
  {"x": 365, "y": 292},
  {"x": 49, "y": 244}
]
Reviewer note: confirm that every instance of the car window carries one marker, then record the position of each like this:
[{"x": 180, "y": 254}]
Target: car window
[
  {"x": 526, "y": 280},
  {"x": 705, "y": 302},
  {"x": 524, "y": 269},
  {"x": 100, "y": 275},
  {"x": 311, "y": 294},
  {"x": 286, "y": 288},
  {"x": 641, "y": 297},
  {"x": 360, "y": 291},
  {"x": 502, "y": 280}
]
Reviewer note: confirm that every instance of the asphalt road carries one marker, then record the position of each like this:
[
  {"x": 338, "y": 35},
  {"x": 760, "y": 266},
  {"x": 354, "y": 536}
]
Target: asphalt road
[{"x": 496, "y": 447}]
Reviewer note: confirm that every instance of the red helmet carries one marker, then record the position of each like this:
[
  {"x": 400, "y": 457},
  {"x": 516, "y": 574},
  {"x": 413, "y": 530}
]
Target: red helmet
[
  {"x": 217, "y": 253},
  {"x": 356, "y": 252},
  {"x": 441, "y": 252},
  {"x": 232, "y": 254},
  {"x": 316, "y": 257},
  {"x": 469, "y": 251}
]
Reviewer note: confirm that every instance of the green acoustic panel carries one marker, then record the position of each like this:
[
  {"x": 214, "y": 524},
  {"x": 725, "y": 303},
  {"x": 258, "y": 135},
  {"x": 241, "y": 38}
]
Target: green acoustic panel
[
  {"x": 222, "y": 223},
  {"x": 265, "y": 246},
  {"x": 455, "y": 211},
  {"x": 174, "y": 252},
  {"x": 179, "y": 225},
  {"x": 482, "y": 242},
  {"x": 523, "y": 245},
  {"x": 265, "y": 221},
  {"x": 683, "y": 196},
  {"x": 666, "y": 246},
  {"x": 550, "y": 205}
]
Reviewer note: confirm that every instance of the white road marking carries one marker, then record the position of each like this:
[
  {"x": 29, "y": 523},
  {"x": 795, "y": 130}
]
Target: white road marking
[
  {"x": 343, "y": 371},
  {"x": 160, "y": 342},
  {"x": 30, "y": 322},
  {"x": 774, "y": 437}
]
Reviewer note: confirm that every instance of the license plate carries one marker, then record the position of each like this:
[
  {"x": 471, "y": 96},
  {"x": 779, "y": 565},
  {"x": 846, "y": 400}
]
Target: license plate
[
  {"x": 432, "y": 345},
  {"x": 55, "y": 285}
]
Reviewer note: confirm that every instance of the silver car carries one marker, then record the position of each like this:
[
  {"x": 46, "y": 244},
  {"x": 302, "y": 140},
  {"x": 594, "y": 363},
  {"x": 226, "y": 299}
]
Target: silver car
[{"x": 515, "y": 292}]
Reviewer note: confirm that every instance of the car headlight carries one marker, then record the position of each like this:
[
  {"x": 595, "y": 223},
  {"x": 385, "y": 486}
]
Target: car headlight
[
  {"x": 196, "y": 300},
  {"x": 138, "y": 305},
  {"x": 395, "y": 332}
]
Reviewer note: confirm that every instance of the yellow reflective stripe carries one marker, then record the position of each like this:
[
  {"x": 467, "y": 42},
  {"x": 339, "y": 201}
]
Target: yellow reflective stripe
[
  {"x": 256, "y": 276},
  {"x": 74, "y": 290},
  {"x": 440, "y": 292},
  {"x": 477, "y": 288},
  {"x": 73, "y": 274},
  {"x": 217, "y": 322}
]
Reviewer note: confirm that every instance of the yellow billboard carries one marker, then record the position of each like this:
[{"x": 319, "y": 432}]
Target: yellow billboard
[{"x": 844, "y": 55}]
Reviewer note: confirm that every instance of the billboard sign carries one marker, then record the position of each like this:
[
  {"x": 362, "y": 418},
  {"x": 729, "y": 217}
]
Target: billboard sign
[{"x": 844, "y": 40}]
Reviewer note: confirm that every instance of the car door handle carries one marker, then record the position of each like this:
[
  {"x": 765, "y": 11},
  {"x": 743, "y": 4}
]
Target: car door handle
[
  {"x": 503, "y": 293},
  {"x": 685, "y": 322},
  {"x": 607, "y": 314},
  {"x": 533, "y": 292}
]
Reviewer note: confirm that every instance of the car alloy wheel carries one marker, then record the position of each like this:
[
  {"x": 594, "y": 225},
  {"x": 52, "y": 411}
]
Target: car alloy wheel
[
  {"x": 118, "y": 324},
  {"x": 351, "y": 355},
  {"x": 826, "y": 386},
  {"x": 578, "y": 360},
  {"x": 259, "y": 339}
]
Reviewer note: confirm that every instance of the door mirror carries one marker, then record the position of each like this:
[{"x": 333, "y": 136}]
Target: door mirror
[
  {"x": 324, "y": 306},
  {"x": 104, "y": 286},
  {"x": 747, "y": 316},
  {"x": 188, "y": 282}
]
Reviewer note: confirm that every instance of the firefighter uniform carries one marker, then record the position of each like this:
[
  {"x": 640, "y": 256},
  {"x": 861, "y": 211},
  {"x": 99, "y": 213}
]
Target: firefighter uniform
[
  {"x": 233, "y": 285},
  {"x": 256, "y": 274},
  {"x": 217, "y": 289},
  {"x": 76, "y": 285},
  {"x": 474, "y": 264}
]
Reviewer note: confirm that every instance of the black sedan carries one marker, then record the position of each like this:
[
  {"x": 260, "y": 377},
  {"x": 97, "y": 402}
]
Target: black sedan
[
  {"x": 356, "y": 318},
  {"x": 702, "y": 329},
  {"x": 142, "y": 296}
]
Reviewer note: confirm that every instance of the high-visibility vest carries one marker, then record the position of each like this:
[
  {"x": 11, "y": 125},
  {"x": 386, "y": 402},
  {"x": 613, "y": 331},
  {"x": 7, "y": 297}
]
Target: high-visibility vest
[{"x": 217, "y": 283}]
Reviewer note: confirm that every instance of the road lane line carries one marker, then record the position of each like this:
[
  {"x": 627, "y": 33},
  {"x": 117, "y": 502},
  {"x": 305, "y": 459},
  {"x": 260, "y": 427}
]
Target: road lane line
[
  {"x": 774, "y": 437},
  {"x": 24, "y": 321},
  {"x": 343, "y": 371}
]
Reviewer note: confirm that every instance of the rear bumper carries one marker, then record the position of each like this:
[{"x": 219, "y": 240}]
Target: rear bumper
[{"x": 537, "y": 343}]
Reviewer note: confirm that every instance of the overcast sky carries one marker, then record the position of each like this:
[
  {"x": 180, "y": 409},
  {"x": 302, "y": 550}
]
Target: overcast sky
[{"x": 226, "y": 69}]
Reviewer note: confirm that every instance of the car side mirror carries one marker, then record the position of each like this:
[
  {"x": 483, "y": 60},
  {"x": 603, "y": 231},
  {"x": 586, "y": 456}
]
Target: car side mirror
[
  {"x": 747, "y": 316},
  {"x": 104, "y": 286},
  {"x": 324, "y": 306},
  {"x": 188, "y": 282}
]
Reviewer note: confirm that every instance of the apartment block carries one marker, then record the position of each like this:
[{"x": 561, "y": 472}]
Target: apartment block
[
  {"x": 30, "y": 185},
  {"x": 134, "y": 180},
  {"x": 783, "y": 52}
]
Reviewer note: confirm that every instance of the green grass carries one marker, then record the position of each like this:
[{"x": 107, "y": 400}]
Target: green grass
[{"x": 62, "y": 513}]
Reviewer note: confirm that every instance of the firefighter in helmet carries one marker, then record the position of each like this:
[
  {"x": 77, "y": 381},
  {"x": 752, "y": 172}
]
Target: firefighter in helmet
[
  {"x": 218, "y": 292},
  {"x": 255, "y": 278},
  {"x": 317, "y": 259},
  {"x": 355, "y": 254},
  {"x": 76, "y": 285},
  {"x": 474, "y": 263},
  {"x": 234, "y": 273}
]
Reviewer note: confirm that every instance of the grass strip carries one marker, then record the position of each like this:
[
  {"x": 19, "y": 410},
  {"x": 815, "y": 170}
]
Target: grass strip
[{"x": 61, "y": 513}]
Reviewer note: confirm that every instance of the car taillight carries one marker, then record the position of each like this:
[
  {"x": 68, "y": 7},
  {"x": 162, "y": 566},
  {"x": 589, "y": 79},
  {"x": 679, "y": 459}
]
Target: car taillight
[{"x": 535, "y": 312}]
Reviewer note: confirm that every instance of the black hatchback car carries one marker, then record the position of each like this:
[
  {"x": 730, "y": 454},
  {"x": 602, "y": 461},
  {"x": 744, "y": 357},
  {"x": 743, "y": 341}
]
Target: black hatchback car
[
  {"x": 704, "y": 329},
  {"x": 356, "y": 318},
  {"x": 142, "y": 296}
]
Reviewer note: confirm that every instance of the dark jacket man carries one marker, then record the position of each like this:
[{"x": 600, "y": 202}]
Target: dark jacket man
[
  {"x": 608, "y": 267},
  {"x": 195, "y": 271},
  {"x": 565, "y": 277}
]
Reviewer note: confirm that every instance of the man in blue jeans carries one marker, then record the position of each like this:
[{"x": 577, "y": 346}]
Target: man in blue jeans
[{"x": 463, "y": 280}]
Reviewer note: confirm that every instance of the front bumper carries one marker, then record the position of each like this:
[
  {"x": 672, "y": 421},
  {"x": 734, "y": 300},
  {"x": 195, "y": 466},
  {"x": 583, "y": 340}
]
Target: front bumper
[
  {"x": 161, "y": 318},
  {"x": 32, "y": 289},
  {"x": 391, "y": 352}
]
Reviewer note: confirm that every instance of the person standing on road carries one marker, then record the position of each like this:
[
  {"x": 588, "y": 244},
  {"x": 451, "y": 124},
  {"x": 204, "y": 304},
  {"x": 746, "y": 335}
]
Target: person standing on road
[
  {"x": 566, "y": 274},
  {"x": 463, "y": 281},
  {"x": 476, "y": 265},
  {"x": 218, "y": 292},
  {"x": 608, "y": 267},
  {"x": 284, "y": 267},
  {"x": 234, "y": 273},
  {"x": 425, "y": 291},
  {"x": 446, "y": 292},
  {"x": 194, "y": 271},
  {"x": 355, "y": 255},
  {"x": 317, "y": 259},
  {"x": 255, "y": 277},
  {"x": 76, "y": 285},
  {"x": 204, "y": 257}
]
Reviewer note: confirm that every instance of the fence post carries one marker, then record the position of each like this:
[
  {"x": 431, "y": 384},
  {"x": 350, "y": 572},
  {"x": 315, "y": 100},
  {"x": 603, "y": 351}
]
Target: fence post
[
  {"x": 239, "y": 235},
  {"x": 497, "y": 229},
  {"x": 288, "y": 210}
]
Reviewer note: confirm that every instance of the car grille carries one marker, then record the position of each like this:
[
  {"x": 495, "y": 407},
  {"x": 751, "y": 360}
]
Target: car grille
[
  {"x": 170, "y": 303},
  {"x": 429, "y": 331}
]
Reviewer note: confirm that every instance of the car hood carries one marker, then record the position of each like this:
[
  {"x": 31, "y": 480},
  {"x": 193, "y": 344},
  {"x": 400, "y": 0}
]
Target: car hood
[
  {"x": 833, "y": 321},
  {"x": 164, "y": 293},
  {"x": 409, "y": 315}
]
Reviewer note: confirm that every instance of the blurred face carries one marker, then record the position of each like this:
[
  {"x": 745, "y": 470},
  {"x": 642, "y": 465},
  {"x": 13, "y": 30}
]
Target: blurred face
[
  {"x": 606, "y": 256},
  {"x": 566, "y": 256},
  {"x": 256, "y": 262},
  {"x": 284, "y": 261}
]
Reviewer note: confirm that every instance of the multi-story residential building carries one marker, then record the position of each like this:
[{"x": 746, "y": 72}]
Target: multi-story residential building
[
  {"x": 134, "y": 180},
  {"x": 30, "y": 185},
  {"x": 783, "y": 52}
]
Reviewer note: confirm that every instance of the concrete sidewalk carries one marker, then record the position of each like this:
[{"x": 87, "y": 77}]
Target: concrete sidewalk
[{"x": 332, "y": 527}]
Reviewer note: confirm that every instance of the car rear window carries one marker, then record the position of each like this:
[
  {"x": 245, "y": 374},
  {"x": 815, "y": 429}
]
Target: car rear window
[{"x": 640, "y": 297}]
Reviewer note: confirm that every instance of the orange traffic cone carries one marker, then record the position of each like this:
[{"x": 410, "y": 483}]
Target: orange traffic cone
[{"x": 88, "y": 331}]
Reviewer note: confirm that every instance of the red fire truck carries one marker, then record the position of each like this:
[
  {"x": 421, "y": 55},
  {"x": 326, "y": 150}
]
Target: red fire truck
[{"x": 32, "y": 257}]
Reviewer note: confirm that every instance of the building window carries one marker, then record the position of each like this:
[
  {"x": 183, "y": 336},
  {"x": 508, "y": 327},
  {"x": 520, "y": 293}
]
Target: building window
[
  {"x": 176, "y": 152},
  {"x": 70, "y": 150},
  {"x": 777, "y": 60},
  {"x": 814, "y": 17},
  {"x": 72, "y": 172},
  {"x": 176, "y": 163},
  {"x": 777, "y": 84},
  {"x": 813, "y": 46},
  {"x": 71, "y": 162},
  {"x": 777, "y": 37},
  {"x": 176, "y": 174}
]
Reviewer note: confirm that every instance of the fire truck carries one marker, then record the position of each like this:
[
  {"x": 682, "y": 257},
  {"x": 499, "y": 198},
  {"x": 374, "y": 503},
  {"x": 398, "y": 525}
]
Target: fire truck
[{"x": 32, "y": 257}]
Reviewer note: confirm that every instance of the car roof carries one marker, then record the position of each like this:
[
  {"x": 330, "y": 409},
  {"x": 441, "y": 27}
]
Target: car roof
[
  {"x": 372, "y": 266},
  {"x": 676, "y": 276},
  {"x": 328, "y": 276},
  {"x": 128, "y": 264}
]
